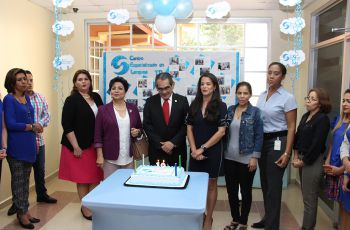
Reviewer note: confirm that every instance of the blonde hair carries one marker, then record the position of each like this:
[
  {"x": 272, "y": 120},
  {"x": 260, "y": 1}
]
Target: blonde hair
[{"x": 343, "y": 116}]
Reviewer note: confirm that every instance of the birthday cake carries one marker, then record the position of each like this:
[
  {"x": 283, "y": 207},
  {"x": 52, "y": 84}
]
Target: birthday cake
[{"x": 156, "y": 176}]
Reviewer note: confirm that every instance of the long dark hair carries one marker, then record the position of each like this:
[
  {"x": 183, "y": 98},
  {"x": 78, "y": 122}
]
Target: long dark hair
[
  {"x": 212, "y": 113},
  {"x": 81, "y": 71}
]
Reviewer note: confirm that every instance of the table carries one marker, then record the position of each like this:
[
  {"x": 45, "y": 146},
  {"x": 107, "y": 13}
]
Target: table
[{"x": 116, "y": 206}]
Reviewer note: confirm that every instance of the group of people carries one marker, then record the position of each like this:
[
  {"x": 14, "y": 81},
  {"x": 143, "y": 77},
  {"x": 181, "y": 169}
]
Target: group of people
[
  {"x": 97, "y": 139},
  {"x": 24, "y": 116}
]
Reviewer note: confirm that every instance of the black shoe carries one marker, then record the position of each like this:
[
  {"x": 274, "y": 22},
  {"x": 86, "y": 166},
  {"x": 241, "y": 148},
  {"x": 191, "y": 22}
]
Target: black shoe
[
  {"x": 46, "y": 199},
  {"x": 12, "y": 210},
  {"x": 27, "y": 226},
  {"x": 231, "y": 226},
  {"x": 260, "y": 224},
  {"x": 86, "y": 217},
  {"x": 34, "y": 220}
]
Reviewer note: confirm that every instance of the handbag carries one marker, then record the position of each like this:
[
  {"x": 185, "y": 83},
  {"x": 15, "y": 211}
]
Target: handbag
[{"x": 139, "y": 146}]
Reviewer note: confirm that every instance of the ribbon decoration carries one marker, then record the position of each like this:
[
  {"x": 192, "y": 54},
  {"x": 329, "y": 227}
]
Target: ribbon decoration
[
  {"x": 61, "y": 28},
  {"x": 293, "y": 26}
]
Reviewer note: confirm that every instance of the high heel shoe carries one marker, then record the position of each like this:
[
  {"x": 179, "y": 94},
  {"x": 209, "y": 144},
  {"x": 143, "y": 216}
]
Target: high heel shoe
[
  {"x": 27, "y": 226},
  {"x": 207, "y": 226},
  {"x": 86, "y": 217},
  {"x": 34, "y": 220}
]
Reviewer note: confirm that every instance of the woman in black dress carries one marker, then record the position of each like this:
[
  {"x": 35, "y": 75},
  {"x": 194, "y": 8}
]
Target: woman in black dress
[{"x": 206, "y": 126}]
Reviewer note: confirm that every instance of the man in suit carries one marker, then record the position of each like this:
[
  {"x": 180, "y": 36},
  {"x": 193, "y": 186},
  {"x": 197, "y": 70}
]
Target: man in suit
[{"x": 164, "y": 123}]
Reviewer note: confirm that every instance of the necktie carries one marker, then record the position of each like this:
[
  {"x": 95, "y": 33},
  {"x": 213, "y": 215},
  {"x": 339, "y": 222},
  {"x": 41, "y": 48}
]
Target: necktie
[{"x": 166, "y": 111}]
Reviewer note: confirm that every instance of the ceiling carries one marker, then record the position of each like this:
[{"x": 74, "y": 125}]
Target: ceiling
[{"x": 95, "y": 6}]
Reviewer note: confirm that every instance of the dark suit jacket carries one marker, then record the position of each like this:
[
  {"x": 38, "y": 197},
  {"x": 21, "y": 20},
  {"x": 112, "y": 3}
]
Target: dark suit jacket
[
  {"x": 310, "y": 138},
  {"x": 78, "y": 116},
  {"x": 107, "y": 130},
  {"x": 157, "y": 131}
]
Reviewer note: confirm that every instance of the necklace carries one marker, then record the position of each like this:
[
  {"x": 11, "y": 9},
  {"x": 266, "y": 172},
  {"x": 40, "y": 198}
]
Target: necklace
[
  {"x": 120, "y": 108},
  {"x": 239, "y": 111},
  {"x": 85, "y": 96},
  {"x": 21, "y": 100}
]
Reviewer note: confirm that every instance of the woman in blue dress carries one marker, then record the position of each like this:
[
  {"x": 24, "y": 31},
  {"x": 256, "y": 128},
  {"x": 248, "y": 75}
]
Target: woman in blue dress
[
  {"x": 337, "y": 189},
  {"x": 333, "y": 166},
  {"x": 3, "y": 139},
  {"x": 206, "y": 126},
  {"x": 21, "y": 152}
]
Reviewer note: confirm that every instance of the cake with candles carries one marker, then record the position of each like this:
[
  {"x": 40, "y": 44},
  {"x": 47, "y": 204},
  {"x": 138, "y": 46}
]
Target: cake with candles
[{"x": 159, "y": 175}]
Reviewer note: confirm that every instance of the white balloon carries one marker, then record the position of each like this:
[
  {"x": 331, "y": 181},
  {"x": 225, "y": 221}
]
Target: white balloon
[{"x": 165, "y": 24}]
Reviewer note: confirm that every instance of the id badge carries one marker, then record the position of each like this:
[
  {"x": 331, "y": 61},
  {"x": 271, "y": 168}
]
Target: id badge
[{"x": 277, "y": 144}]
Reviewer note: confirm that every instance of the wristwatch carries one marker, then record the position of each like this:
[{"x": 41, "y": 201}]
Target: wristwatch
[
  {"x": 204, "y": 148},
  {"x": 33, "y": 127}
]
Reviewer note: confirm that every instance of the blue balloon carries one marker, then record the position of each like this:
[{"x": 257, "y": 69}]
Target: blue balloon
[
  {"x": 183, "y": 9},
  {"x": 165, "y": 7},
  {"x": 145, "y": 8}
]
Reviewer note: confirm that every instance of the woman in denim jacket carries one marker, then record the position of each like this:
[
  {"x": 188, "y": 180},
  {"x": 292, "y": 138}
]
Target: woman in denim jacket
[{"x": 243, "y": 145}]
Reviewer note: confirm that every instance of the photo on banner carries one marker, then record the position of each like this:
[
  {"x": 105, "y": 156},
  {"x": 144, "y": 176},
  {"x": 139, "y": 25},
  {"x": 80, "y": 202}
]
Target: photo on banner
[{"x": 140, "y": 69}]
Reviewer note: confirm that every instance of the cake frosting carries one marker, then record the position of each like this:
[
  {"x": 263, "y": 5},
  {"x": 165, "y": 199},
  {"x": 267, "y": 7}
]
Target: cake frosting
[{"x": 155, "y": 176}]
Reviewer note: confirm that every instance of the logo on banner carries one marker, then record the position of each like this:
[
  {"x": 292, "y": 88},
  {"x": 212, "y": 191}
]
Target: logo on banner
[{"x": 120, "y": 65}]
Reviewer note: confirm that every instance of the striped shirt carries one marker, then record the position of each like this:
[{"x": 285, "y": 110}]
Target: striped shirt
[{"x": 41, "y": 114}]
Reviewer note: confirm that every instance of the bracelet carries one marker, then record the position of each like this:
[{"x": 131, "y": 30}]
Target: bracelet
[
  {"x": 33, "y": 126},
  {"x": 286, "y": 154}
]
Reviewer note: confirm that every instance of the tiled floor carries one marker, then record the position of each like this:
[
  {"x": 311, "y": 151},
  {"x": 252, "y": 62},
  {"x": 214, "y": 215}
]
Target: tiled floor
[{"x": 66, "y": 213}]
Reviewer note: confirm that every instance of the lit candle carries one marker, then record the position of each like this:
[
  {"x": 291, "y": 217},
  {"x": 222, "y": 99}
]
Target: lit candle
[
  {"x": 179, "y": 160},
  {"x": 163, "y": 164},
  {"x": 135, "y": 165},
  {"x": 143, "y": 159},
  {"x": 175, "y": 169}
]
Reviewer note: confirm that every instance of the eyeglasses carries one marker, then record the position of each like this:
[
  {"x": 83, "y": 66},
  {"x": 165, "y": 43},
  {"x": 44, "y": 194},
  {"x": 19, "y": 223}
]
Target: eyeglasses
[
  {"x": 308, "y": 98},
  {"x": 164, "y": 89}
]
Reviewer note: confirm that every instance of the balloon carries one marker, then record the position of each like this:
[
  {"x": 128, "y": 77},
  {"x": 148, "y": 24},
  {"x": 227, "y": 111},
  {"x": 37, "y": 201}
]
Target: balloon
[
  {"x": 145, "y": 9},
  {"x": 183, "y": 9},
  {"x": 165, "y": 24},
  {"x": 165, "y": 7}
]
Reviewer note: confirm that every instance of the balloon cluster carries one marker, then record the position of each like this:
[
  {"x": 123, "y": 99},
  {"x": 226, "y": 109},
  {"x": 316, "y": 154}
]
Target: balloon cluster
[{"x": 165, "y": 12}]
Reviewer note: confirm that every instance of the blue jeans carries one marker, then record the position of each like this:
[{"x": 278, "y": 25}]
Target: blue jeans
[{"x": 39, "y": 173}]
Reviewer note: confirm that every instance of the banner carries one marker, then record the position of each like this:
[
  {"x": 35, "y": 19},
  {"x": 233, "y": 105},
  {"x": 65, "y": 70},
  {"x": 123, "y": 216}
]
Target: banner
[{"x": 140, "y": 69}]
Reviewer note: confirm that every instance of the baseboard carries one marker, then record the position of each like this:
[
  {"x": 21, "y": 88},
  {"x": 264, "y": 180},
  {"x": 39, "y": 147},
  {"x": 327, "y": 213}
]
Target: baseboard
[{"x": 48, "y": 178}]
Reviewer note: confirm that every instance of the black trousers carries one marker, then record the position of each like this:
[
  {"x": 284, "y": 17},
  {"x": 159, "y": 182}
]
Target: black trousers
[
  {"x": 237, "y": 174},
  {"x": 0, "y": 168},
  {"x": 39, "y": 173},
  {"x": 271, "y": 177}
]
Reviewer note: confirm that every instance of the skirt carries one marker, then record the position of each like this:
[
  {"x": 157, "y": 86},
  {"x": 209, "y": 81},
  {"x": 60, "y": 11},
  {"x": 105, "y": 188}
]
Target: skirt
[
  {"x": 81, "y": 170},
  {"x": 333, "y": 187}
]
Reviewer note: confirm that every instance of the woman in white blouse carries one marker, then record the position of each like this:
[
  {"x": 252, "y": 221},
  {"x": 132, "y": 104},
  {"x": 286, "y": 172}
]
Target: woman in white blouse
[
  {"x": 117, "y": 123},
  {"x": 279, "y": 110}
]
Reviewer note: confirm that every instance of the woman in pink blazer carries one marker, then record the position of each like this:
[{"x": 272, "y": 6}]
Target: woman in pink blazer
[{"x": 117, "y": 123}]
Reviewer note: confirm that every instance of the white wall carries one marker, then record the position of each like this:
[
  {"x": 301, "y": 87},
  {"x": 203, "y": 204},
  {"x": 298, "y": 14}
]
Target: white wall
[{"x": 26, "y": 42}]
